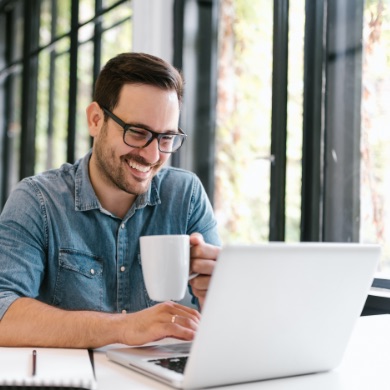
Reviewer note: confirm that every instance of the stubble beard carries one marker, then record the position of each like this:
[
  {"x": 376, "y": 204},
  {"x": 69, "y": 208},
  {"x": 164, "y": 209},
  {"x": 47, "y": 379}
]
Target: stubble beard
[{"x": 117, "y": 175}]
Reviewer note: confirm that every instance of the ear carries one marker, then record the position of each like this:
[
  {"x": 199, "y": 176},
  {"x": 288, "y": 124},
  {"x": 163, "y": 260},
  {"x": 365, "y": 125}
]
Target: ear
[{"x": 95, "y": 118}]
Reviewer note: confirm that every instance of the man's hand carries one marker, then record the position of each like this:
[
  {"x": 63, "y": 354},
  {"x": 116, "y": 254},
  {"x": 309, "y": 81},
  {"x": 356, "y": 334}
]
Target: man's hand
[
  {"x": 29, "y": 322},
  {"x": 203, "y": 257},
  {"x": 167, "y": 319}
]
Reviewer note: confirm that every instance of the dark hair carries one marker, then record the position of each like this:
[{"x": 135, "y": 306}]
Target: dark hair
[{"x": 135, "y": 68}]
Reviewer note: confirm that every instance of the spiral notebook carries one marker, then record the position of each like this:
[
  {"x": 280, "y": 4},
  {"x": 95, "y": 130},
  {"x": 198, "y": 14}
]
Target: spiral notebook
[{"x": 46, "y": 367}]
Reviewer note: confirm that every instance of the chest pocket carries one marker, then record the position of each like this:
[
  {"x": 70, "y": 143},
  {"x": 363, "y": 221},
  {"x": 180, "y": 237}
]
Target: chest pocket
[{"x": 79, "y": 282}]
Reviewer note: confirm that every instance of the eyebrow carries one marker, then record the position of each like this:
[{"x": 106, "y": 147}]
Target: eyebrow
[{"x": 146, "y": 127}]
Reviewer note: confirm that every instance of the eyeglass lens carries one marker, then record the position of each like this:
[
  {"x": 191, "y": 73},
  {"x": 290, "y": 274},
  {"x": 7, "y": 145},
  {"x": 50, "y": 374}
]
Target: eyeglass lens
[{"x": 139, "y": 138}]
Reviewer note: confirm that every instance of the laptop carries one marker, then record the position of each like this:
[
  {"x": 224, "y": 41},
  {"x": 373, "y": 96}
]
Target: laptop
[{"x": 272, "y": 311}]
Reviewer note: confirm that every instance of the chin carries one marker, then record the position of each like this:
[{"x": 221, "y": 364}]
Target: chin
[{"x": 138, "y": 189}]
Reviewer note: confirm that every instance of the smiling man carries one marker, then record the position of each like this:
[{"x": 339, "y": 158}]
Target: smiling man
[
  {"x": 70, "y": 266},
  {"x": 116, "y": 168}
]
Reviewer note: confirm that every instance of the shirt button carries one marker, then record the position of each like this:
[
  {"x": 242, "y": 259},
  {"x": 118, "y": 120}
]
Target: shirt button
[
  {"x": 123, "y": 268},
  {"x": 92, "y": 271},
  {"x": 123, "y": 226},
  {"x": 124, "y": 311}
]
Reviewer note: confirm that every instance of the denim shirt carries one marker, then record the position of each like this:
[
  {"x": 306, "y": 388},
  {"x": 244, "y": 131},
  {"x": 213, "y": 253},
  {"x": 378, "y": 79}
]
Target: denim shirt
[{"x": 60, "y": 246}]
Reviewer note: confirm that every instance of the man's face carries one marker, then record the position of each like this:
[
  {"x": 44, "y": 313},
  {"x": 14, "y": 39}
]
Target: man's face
[{"x": 131, "y": 169}]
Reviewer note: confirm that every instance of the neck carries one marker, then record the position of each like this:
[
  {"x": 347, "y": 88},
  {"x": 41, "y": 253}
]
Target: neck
[{"x": 112, "y": 198}]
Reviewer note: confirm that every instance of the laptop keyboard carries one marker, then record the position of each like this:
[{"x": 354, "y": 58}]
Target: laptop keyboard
[{"x": 175, "y": 363}]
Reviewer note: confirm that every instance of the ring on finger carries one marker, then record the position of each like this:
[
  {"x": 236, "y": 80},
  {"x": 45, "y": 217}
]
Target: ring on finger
[{"x": 173, "y": 319}]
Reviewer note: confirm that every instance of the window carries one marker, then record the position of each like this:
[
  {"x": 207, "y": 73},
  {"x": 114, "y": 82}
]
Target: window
[
  {"x": 375, "y": 139},
  {"x": 244, "y": 157},
  {"x": 338, "y": 80},
  {"x": 52, "y": 53},
  {"x": 300, "y": 90},
  {"x": 247, "y": 65}
]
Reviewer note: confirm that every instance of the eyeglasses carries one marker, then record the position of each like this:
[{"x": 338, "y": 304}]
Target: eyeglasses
[{"x": 137, "y": 137}]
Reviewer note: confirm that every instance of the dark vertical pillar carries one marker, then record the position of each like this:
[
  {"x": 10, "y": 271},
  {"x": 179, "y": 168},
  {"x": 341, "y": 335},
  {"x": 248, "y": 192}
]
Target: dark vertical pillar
[
  {"x": 313, "y": 134},
  {"x": 29, "y": 86},
  {"x": 343, "y": 120},
  {"x": 72, "y": 102},
  {"x": 279, "y": 121}
]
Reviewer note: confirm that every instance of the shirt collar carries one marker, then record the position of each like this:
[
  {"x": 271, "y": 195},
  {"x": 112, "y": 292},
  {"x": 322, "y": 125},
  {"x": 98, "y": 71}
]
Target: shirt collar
[{"x": 86, "y": 199}]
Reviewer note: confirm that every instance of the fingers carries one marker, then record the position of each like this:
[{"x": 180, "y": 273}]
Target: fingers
[
  {"x": 176, "y": 310},
  {"x": 203, "y": 255},
  {"x": 196, "y": 239},
  {"x": 203, "y": 260},
  {"x": 182, "y": 324},
  {"x": 199, "y": 286},
  {"x": 179, "y": 321},
  {"x": 168, "y": 319},
  {"x": 201, "y": 249},
  {"x": 202, "y": 266}
]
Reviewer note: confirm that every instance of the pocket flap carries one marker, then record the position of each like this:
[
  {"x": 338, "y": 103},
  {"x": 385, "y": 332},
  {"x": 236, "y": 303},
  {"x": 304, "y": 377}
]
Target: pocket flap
[{"x": 83, "y": 263}]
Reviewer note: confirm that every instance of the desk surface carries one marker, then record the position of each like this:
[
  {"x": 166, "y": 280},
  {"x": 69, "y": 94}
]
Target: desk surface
[{"x": 365, "y": 366}]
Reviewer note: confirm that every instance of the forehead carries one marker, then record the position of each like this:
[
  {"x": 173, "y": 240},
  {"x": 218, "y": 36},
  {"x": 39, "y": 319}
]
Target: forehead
[
  {"x": 143, "y": 93},
  {"x": 152, "y": 106}
]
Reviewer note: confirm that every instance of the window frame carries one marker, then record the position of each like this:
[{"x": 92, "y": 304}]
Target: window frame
[{"x": 26, "y": 15}]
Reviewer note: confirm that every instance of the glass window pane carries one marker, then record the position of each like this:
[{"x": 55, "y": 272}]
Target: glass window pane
[
  {"x": 117, "y": 15},
  {"x": 17, "y": 31},
  {"x": 86, "y": 33},
  {"x": 84, "y": 97},
  {"x": 60, "y": 117},
  {"x": 109, "y": 3},
  {"x": 52, "y": 109},
  {"x": 242, "y": 177},
  {"x": 375, "y": 138},
  {"x": 86, "y": 10},
  {"x": 42, "y": 147},
  {"x": 14, "y": 130},
  {"x": 63, "y": 17},
  {"x": 45, "y": 23},
  {"x": 116, "y": 40}
]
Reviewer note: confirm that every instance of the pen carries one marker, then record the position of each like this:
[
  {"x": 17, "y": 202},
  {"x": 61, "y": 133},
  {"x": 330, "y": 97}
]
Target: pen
[{"x": 34, "y": 362}]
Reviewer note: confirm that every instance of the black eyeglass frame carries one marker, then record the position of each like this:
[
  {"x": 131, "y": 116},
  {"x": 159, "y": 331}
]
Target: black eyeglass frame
[{"x": 154, "y": 134}]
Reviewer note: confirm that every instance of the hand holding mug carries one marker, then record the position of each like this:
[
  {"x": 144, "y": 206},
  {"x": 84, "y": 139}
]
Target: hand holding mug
[{"x": 203, "y": 260}]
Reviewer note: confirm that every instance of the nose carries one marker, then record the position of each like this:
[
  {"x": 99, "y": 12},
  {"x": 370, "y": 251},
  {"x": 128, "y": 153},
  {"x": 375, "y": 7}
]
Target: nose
[{"x": 151, "y": 152}]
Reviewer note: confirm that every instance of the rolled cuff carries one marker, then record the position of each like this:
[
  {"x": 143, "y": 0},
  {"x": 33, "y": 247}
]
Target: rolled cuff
[{"x": 6, "y": 300}]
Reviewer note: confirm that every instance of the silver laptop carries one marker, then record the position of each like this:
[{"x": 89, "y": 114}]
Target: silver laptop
[{"x": 272, "y": 311}]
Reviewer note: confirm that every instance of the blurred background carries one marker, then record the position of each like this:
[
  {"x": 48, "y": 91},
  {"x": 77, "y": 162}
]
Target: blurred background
[{"x": 285, "y": 104}]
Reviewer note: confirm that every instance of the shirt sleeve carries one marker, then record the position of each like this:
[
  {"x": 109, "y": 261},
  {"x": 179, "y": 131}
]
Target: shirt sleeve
[
  {"x": 201, "y": 216},
  {"x": 22, "y": 243}
]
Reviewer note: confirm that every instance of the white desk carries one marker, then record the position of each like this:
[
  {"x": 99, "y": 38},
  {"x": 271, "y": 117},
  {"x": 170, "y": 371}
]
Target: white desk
[{"x": 366, "y": 365}]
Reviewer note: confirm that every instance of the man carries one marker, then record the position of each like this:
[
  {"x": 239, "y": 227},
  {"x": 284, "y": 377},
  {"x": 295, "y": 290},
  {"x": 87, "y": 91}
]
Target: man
[{"x": 70, "y": 274}]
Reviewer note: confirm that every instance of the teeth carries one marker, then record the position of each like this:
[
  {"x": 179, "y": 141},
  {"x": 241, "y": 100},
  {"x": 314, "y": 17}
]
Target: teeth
[{"x": 139, "y": 167}]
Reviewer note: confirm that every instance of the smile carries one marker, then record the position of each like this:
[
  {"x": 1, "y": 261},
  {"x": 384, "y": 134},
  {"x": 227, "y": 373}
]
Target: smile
[{"x": 139, "y": 167}]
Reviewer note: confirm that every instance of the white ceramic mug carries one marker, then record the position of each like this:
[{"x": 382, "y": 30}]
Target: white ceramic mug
[{"x": 165, "y": 263}]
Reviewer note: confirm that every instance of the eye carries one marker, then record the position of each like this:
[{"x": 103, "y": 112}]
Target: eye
[
  {"x": 167, "y": 137},
  {"x": 137, "y": 133}
]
